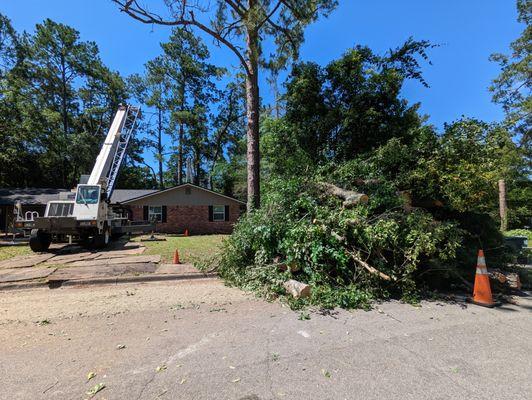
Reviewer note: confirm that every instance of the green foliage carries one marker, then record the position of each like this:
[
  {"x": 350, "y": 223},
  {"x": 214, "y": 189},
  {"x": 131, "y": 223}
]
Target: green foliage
[
  {"x": 512, "y": 87},
  {"x": 471, "y": 158},
  {"x": 296, "y": 225},
  {"x": 519, "y": 204},
  {"x": 331, "y": 110},
  {"x": 56, "y": 100}
]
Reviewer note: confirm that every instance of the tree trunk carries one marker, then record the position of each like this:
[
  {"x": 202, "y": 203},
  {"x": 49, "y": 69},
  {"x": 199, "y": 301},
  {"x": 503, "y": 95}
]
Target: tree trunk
[
  {"x": 252, "y": 112},
  {"x": 503, "y": 209},
  {"x": 197, "y": 167},
  {"x": 64, "y": 113},
  {"x": 180, "y": 154},
  {"x": 160, "y": 149},
  {"x": 181, "y": 105}
]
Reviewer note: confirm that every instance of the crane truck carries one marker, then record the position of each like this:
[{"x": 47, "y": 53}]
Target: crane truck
[{"x": 90, "y": 216}]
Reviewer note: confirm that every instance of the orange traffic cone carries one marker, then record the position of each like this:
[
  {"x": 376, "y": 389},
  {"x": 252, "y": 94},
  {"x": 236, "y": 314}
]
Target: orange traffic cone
[
  {"x": 176, "y": 257},
  {"x": 186, "y": 232},
  {"x": 482, "y": 290}
]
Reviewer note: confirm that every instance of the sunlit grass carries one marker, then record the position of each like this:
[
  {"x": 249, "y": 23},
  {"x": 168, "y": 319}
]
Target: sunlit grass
[
  {"x": 7, "y": 252},
  {"x": 190, "y": 248}
]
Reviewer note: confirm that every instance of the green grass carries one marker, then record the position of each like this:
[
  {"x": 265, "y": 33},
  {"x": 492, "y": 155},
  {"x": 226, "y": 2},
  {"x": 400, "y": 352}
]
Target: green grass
[
  {"x": 7, "y": 252},
  {"x": 190, "y": 248}
]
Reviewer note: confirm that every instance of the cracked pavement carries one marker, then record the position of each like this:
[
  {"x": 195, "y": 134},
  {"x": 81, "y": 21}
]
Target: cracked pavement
[{"x": 202, "y": 340}]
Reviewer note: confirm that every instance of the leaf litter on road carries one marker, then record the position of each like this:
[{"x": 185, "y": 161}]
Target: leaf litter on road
[{"x": 95, "y": 389}]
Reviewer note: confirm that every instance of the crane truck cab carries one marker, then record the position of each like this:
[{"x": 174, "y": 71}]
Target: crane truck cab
[{"x": 92, "y": 214}]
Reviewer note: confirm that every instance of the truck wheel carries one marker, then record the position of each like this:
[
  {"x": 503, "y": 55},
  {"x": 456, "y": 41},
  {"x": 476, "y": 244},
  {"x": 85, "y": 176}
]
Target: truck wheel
[
  {"x": 84, "y": 240},
  {"x": 39, "y": 240},
  {"x": 102, "y": 239}
]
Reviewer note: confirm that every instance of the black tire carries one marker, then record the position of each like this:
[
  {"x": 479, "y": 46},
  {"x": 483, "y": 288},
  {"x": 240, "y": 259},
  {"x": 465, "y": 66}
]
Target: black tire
[
  {"x": 39, "y": 240},
  {"x": 116, "y": 236},
  {"x": 85, "y": 240},
  {"x": 102, "y": 239}
]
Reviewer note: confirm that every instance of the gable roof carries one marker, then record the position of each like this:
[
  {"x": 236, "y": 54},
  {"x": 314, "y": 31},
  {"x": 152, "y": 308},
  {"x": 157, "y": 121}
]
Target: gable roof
[{"x": 156, "y": 192}]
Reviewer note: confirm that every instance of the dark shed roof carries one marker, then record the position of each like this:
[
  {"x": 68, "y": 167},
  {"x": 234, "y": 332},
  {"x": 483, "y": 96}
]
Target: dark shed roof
[
  {"x": 44, "y": 195},
  {"x": 29, "y": 195}
]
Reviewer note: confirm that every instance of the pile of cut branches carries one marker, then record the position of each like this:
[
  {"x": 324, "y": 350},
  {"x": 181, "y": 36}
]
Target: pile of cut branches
[{"x": 348, "y": 245}]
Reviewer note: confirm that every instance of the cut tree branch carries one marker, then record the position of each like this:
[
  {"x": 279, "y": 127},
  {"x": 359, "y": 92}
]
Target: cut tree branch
[
  {"x": 146, "y": 17},
  {"x": 350, "y": 197},
  {"x": 369, "y": 268}
]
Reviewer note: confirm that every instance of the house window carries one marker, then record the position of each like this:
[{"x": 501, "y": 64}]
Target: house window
[
  {"x": 187, "y": 190},
  {"x": 155, "y": 213},
  {"x": 218, "y": 213}
]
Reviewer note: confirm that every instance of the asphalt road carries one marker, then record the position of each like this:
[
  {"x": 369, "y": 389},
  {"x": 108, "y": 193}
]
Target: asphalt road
[{"x": 201, "y": 340}]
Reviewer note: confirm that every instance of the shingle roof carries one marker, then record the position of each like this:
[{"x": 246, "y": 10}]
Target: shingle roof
[
  {"x": 29, "y": 195},
  {"x": 121, "y": 195}
]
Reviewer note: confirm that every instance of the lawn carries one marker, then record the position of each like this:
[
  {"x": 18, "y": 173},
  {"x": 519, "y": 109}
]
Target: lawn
[
  {"x": 13, "y": 251},
  {"x": 190, "y": 248}
]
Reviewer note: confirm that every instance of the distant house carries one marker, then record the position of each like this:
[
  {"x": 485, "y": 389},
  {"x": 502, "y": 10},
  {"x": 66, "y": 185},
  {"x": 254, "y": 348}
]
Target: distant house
[{"x": 186, "y": 206}]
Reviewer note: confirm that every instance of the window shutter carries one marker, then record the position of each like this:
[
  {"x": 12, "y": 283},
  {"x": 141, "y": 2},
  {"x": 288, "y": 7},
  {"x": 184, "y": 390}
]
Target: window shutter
[
  {"x": 227, "y": 213},
  {"x": 163, "y": 217},
  {"x": 145, "y": 210},
  {"x": 211, "y": 213}
]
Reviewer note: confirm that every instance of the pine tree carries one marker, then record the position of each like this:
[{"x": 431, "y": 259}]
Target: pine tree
[{"x": 241, "y": 26}]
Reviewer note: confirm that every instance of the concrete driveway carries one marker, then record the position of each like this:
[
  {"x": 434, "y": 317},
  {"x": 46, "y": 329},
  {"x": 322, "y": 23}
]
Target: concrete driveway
[{"x": 201, "y": 340}]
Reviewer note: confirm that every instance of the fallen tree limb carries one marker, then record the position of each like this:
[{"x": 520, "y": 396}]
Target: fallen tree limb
[
  {"x": 361, "y": 182},
  {"x": 297, "y": 289},
  {"x": 371, "y": 269},
  {"x": 350, "y": 197},
  {"x": 334, "y": 234},
  {"x": 337, "y": 236}
]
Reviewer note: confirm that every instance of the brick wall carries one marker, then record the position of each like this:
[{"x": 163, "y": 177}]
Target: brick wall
[{"x": 193, "y": 218}]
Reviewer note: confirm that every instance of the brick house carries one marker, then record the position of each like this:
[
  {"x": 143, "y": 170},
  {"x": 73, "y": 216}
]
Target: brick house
[{"x": 185, "y": 206}]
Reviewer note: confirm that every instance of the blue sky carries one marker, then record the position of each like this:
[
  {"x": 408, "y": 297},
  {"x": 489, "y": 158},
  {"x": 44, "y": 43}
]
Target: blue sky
[{"x": 467, "y": 30}]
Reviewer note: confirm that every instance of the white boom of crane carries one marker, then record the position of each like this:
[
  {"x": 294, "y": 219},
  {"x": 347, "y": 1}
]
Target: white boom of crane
[
  {"x": 92, "y": 197},
  {"x": 110, "y": 158}
]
